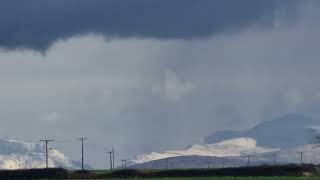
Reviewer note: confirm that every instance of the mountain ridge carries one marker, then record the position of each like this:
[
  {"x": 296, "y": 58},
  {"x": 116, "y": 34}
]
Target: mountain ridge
[
  {"x": 311, "y": 155},
  {"x": 231, "y": 147},
  {"x": 298, "y": 131},
  {"x": 286, "y": 135}
]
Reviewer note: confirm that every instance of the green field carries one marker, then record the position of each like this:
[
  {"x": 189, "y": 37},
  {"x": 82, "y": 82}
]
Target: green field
[
  {"x": 287, "y": 172},
  {"x": 183, "y": 174}
]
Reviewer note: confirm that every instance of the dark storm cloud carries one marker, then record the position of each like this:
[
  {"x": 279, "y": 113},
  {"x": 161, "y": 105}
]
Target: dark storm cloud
[{"x": 38, "y": 23}]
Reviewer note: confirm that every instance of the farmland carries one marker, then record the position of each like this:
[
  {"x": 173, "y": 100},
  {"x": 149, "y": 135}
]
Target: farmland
[{"x": 291, "y": 172}]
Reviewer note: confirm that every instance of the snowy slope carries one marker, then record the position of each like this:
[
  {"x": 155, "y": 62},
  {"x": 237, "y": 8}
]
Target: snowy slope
[
  {"x": 286, "y": 136},
  {"x": 192, "y": 162},
  {"x": 229, "y": 153},
  {"x": 231, "y": 147},
  {"x": 19, "y": 155}
]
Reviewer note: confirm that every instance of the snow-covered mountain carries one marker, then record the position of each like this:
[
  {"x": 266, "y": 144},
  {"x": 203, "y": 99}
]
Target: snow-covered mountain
[
  {"x": 284, "y": 137},
  {"x": 231, "y": 147},
  {"x": 289, "y": 131},
  {"x": 20, "y": 155},
  {"x": 238, "y": 157},
  {"x": 192, "y": 162}
]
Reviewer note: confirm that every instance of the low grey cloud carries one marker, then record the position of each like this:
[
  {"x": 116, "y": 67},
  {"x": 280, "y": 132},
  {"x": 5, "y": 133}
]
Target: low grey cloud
[
  {"x": 37, "y": 24},
  {"x": 172, "y": 88}
]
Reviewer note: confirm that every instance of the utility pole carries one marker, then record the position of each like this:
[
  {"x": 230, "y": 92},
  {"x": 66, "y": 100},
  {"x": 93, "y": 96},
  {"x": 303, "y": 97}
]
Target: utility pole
[
  {"x": 166, "y": 163},
  {"x": 110, "y": 153},
  {"x": 82, "y": 139},
  {"x": 124, "y": 163},
  {"x": 301, "y": 154},
  {"x": 112, "y": 158},
  {"x": 214, "y": 162},
  {"x": 248, "y": 163},
  {"x": 171, "y": 165},
  {"x": 46, "y": 141},
  {"x": 222, "y": 163}
]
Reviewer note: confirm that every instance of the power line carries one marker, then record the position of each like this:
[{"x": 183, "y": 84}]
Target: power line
[
  {"x": 66, "y": 140},
  {"x": 82, "y": 139},
  {"x": 46, "y": 141}
]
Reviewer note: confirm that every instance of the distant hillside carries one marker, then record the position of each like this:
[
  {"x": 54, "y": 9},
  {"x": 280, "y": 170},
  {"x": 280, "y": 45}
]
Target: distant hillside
[
  {"x": 227, "y": 148},
  {"x": 182, "y": 162},
  {"x": 285, "y": 132},
  {"x": 311, "y": 155},
  {"x": 286, "y": 136}
]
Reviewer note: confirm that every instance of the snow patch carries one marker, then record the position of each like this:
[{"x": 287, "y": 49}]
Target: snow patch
[{"x": 231, "y": 147}]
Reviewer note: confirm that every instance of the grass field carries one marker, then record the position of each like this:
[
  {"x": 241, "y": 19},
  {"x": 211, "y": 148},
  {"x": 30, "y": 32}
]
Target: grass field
[
  {"x": 252, "y": 173},
  {"x": 287, "y": 172}
]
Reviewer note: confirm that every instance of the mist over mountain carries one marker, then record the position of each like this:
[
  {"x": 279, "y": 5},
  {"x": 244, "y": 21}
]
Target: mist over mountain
[{"x": 284, "y": 132}]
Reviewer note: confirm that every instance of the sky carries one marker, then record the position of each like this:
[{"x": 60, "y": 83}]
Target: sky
[{"x": 153, "y": 75}]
